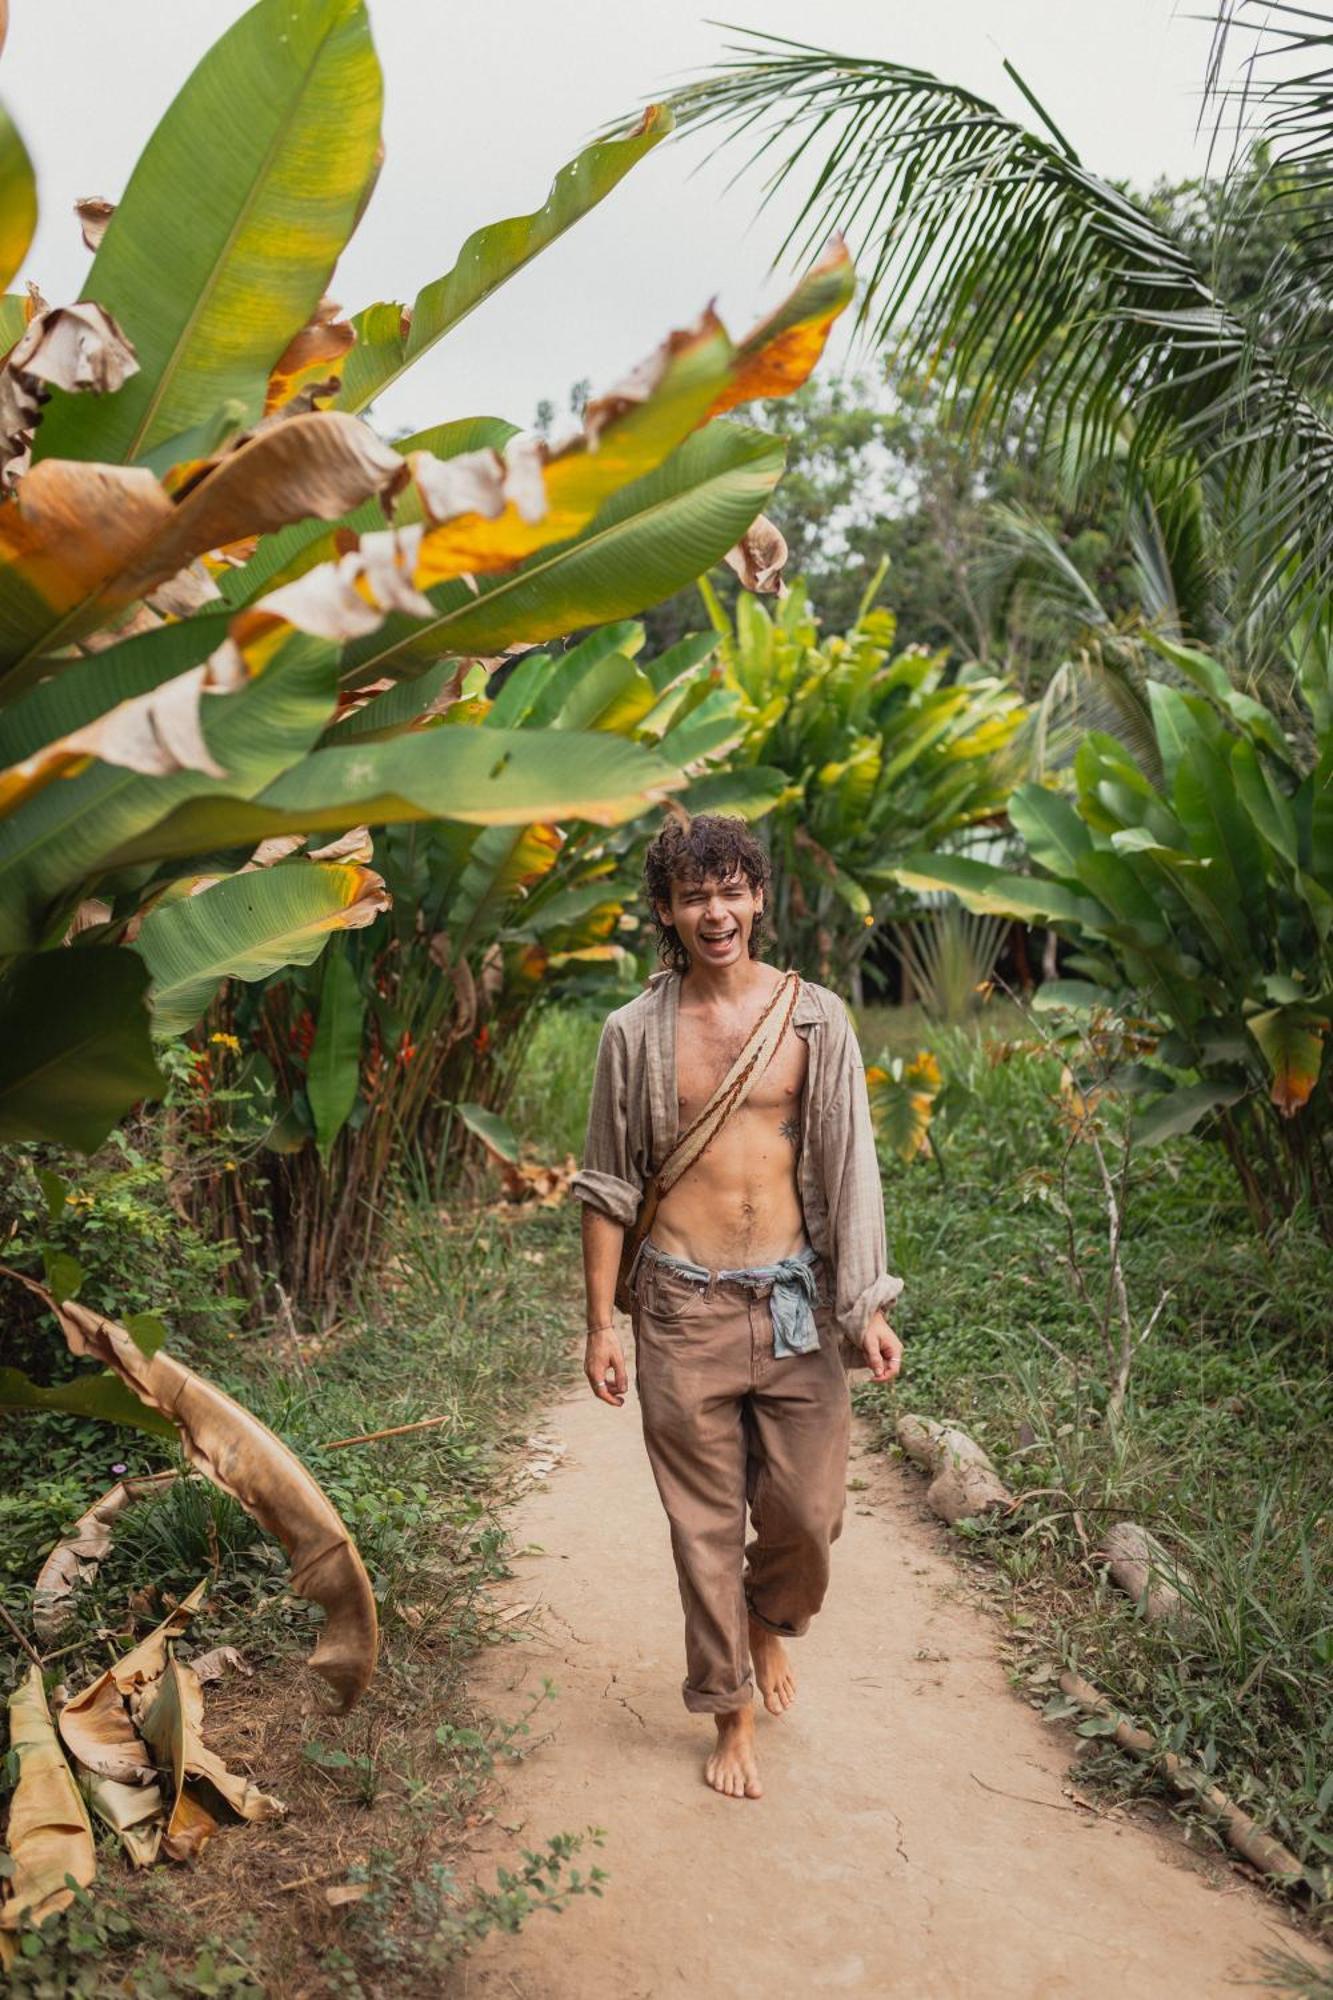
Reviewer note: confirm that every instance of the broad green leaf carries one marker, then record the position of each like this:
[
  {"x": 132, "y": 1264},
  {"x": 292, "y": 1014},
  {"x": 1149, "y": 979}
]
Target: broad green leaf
[
  {"x": 1265, "y": 802},
  {"x": 1292, "y": 1040},
  {"x": 655, "y": 536},
  {"x": 749, "y": 793},
  {"x": 613, "y": 695},
  {"x": 69, "y": 830},
  {"x": 1052, "y": 831},
  {"x": 993, "y": 892},
  {"x": 147, "y": 1331},
  {"x": 55, "y": 1192},
  {"x": 234, "y": 217},
  {"x": 13, "y": 319},
  {"x": 1181, "y": 1110},
  {"x": 390, "y": 340},
  {"x": 64, "y": 1274},
  {"x": 103, "y": 1396},
  {"x": 491, "y": 1129},
  {"x": 1080, "y": 996},
  {"x": 248, "y": 926},
  {"x": 75, "y": 1052},
  {"x": 490, "y": 777},
  {"x": 18, "y": 202},
  {"x": 503, "y": 861},
  {"x": 334, "y": 1069},
  {"x": 1178, "y": 721}
]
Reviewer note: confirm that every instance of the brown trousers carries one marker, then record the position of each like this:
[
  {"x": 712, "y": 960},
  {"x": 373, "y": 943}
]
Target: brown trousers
[{"x": 726, "y": 1423}]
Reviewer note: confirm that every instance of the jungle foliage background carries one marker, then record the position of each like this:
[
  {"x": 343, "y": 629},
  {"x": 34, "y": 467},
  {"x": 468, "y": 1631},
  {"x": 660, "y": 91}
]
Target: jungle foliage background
[{"x": 328, "y": 765}]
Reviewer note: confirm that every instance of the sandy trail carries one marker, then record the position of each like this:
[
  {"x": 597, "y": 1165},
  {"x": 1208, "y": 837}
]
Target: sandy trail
[{"x": 915, "y": 1837}]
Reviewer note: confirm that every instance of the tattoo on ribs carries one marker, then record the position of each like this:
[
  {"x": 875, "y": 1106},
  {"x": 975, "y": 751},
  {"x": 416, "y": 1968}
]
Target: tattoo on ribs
[{"x": 790, "y": 1128}]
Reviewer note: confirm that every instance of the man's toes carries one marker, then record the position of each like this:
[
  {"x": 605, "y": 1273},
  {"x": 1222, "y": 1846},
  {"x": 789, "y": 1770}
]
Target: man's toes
[{"x": 753, "y": 1788}]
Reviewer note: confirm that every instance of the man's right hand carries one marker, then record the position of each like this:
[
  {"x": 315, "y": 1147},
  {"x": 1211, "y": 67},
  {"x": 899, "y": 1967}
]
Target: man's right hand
[{"x": 604, "y": 1366}]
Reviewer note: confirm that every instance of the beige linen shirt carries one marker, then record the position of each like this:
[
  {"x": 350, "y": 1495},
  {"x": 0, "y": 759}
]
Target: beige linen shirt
[{"x": 633, "y": 1123}]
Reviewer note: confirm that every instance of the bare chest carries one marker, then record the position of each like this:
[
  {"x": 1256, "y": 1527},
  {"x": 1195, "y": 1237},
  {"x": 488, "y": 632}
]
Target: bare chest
[{"x": 705, "y": 1052}]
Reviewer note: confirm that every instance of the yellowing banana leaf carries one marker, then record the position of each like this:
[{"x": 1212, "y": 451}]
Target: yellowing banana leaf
[
  {"x": 75, "y": 1557},
  {"x": 783, "y": 349},
  {"x": 204, "y": 1790},
  {"x": 1292, "y": 1040},
  {"x": 312, "y": 362},
  {"x": 97, "y": 1724},
  {"x": 225, "y": 238},
  {"x": 651, "y": 538},
  {"x": 18, "y": 201},
  {"x": 243, "y": 1457},
  {"x": 49, "y": 1833},
  {"x": 136, "y": 1812},
  {"x": 247, "y": 926},
  {"x": 901, "y": 1101},
  {"x": 389, "y": 337},
  {"x": 79, "y": 542}
]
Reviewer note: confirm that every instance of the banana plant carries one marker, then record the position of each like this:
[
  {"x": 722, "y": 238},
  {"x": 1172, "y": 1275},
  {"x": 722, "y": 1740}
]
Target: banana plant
[
  {"x": 1201, "y": 899},
  {"x": 228, "y": 609},
  {"x": 875, "y": 749},
  {"x": 315, "y": 1083}
]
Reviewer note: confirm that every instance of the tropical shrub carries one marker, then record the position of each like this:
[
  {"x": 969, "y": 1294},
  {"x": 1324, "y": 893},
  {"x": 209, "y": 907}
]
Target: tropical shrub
[
  {"x": 1201, "y": 901},
  {"x": 877, "y": 751}
]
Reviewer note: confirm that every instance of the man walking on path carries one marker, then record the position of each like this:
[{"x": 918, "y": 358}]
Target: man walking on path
[{"x": 730, "y": 1154}]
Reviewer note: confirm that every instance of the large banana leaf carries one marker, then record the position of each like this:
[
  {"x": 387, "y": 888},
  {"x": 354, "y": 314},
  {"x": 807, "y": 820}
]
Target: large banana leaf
[
  {"x": 89, "y": 687},
  {"x": 651, "y": 539},
  {"x": 995, "y": 893},
  {"x": 489, "y": 777},
  {"x": 231, "y": 224},
  {"x": 247, "y": 926},
  {"x": 67, "y": 831},
  {"x": 75, "y": 1052},
  {"x": 389, "y": 339},
  {"x": 18, "y": 201}
]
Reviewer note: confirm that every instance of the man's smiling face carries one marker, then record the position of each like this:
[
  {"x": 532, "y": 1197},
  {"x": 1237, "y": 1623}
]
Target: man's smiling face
[{"x": 713, "y": 916}]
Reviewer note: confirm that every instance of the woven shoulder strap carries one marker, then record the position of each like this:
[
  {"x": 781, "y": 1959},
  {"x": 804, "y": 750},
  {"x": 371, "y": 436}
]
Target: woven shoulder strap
[{"x": 759, "y": 1051}]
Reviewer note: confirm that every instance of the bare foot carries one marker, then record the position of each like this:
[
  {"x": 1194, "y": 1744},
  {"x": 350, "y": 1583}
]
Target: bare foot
[
  {"x": 772, "y": 1668},
  {"x": 733, "y": 1769}
]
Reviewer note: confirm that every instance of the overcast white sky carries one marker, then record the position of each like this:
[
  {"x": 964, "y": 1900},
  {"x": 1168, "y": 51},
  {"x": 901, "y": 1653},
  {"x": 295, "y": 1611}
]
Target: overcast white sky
[{"x": 484, "y": 103}]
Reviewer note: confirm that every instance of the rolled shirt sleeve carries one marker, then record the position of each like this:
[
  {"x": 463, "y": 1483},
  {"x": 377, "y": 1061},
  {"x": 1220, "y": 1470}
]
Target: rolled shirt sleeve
[
  {"x": 608, "y": 1179},
  {"x": 855, "y": 1195}
]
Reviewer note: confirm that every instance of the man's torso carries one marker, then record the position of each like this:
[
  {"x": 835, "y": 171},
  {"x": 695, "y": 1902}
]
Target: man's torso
[{"x": 739, "y": 1204}]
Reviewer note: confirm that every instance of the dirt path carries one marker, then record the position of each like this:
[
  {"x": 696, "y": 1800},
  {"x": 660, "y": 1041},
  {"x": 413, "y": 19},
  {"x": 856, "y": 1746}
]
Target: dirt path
[{"x": 915, "y": 1837}]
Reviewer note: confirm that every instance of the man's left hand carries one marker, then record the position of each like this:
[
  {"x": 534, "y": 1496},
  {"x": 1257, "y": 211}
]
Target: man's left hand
[{"x": 883, "y": 1349}]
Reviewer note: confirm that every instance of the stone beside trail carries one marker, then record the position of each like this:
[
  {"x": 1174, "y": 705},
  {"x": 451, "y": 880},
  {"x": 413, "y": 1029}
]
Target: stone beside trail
[{"x": 916, "y": 1836}]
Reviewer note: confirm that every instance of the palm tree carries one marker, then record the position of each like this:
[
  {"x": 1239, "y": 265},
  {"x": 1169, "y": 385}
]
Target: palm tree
[{"x": 990, "y": 253}]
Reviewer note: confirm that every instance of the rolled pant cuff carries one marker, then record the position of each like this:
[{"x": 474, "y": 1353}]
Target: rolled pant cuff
[
  {"x": 701, "y": 1703},
  {"x": 782, "y": 1631}
]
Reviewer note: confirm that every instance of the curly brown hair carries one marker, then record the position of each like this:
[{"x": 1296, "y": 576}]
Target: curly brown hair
[{"x": 691, "y": 850}]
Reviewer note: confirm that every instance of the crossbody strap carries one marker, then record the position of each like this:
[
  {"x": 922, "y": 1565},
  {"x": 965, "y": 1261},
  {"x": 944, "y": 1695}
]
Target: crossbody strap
[{"x": 764, "y": 1041}]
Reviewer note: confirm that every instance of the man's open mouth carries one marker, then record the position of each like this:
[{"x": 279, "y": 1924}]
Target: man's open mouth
[{"x": 719, "y": 937}]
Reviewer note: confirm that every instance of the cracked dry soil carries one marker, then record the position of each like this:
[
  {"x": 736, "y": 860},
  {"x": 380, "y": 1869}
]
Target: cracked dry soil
[{"x": 915, "y": 1837}]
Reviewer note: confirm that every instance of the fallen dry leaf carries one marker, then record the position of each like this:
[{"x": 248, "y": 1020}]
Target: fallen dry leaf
[
  {"x": 758, "y": 557},
  {"x": 212, "y": 1665},
  {"x": 75, "y": 1557},
  {"x": 135, "y": 1812},
  {"x": 339, "y": 1893},
  {"x": 204, "y": 1789},
  {"x": 242, "y": 1456},
  {"x": 97, "y": 1725},
  {"x": 49, "y": 1835}
]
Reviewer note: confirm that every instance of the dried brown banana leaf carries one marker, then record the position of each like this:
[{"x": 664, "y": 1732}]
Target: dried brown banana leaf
[
  {"x": 75, "y": 1557},
  {"x": 49, "y": 1835},
  {"x": 203, "y": 1788},
  {"x": 136, "y": 1812},
  {"x": 243, "y": 1457},
  {"x": 97, "y": 1726}
]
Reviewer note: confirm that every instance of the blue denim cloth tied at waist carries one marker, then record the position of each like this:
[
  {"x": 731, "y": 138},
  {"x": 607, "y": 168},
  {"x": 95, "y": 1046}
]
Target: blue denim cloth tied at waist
[{"x": 790, "y": 1285}]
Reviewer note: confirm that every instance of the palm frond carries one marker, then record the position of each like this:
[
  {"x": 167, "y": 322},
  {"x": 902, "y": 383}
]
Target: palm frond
[{"x": 988, "y": 253}]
